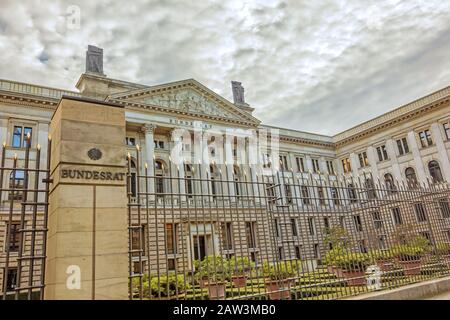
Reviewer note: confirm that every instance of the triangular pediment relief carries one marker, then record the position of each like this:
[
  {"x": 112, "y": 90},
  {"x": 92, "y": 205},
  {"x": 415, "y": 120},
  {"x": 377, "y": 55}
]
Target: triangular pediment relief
[{"x": 189, "y": 97}]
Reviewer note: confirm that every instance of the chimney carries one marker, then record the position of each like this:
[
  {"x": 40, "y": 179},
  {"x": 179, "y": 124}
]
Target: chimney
[
  {"x": 238, "y": 97},
  {"x": 94, "y": 60}
]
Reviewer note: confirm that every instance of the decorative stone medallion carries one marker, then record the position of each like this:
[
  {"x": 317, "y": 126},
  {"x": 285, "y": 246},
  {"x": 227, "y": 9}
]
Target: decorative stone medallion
[{"x": 94, "y": 154}]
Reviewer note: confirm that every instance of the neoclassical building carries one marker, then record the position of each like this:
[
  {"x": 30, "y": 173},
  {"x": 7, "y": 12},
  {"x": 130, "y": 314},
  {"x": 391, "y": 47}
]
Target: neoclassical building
[{"x": 408, "y": 145}]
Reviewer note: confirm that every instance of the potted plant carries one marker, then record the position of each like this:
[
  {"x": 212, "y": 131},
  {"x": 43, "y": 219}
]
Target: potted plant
[
  {"x": 409, "y": 255},
  {"x": 443, "y": 250},
  {"x": 384, "y": 259},
  {"x": 348, "y": 264},
  {"x": 239, "y": 266},
  {"x": 216, "y": 270},
  {"x": 279, "y": 279}
]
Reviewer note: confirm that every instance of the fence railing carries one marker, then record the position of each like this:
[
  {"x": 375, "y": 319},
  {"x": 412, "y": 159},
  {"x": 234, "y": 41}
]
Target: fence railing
[{"x": 212, "y": 235}]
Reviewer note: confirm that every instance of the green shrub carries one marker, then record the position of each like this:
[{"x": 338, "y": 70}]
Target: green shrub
[
  {"x": 443, "y": 248},
  {"x": 281, "y": 270},
  {"x": 167, "y": 286},
  {"x": 215, "y": 268},
  {"x": 347, "y": 260},
  {"x": 382, "y": 254},
  {"x": 413, "y": 249},
  {"x": 240, "y": 265}
]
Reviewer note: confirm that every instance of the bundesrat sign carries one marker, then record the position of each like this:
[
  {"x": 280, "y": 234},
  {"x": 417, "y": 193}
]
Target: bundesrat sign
[{"x": 92, "y": 175}]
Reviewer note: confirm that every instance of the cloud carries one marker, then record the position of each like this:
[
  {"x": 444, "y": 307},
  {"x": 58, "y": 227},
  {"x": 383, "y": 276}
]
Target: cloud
[{"x": 308, "y": 65}]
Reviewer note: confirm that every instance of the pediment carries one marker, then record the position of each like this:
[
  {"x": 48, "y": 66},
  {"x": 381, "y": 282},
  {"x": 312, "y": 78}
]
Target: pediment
[{"x": 189, "y": 97}]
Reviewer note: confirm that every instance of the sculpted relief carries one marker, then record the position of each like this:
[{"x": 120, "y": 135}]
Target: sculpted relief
[{"x": 190, "y": 101}]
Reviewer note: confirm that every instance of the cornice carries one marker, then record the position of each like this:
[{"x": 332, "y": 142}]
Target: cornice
[
  {"x": 392, "y": 122},
  {"x": 28, "y": 101}
]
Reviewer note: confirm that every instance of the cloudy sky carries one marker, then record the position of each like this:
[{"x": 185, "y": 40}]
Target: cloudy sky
[{"x": 320, "y": 66}]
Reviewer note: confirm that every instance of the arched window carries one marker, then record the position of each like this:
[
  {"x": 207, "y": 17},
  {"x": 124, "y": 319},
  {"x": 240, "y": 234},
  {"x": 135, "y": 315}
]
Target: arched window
[
  {"x": 370, "y": 189},
  {"x": 16, "y": 182},
  {"x": 411, "y": 178},
  {"x": 214, "y": 172},
  {"x": 389, "y": 182},
  {"x": 435, "y": 171},
  {"x": 188, "y": 179},
  {"x": 160, "y": 168}
]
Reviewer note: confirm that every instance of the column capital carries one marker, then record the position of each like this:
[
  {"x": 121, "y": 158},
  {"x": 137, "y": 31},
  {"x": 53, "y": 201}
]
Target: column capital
[{"x": 148, "y": 128}]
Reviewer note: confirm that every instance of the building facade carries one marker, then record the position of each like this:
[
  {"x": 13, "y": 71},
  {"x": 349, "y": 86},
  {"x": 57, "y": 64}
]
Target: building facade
[{"x": 296, "y": 187}]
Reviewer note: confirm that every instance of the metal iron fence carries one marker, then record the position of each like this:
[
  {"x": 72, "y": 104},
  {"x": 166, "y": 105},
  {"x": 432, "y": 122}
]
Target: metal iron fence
[
  {"x": 215, "y": 232},
  {"x": 24, "y": 185}
]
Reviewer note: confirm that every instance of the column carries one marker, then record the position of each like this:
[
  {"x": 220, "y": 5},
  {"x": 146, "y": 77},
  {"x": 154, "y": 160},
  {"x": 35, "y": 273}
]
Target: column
[
  {"x": 420, "y": 171},
  {"x": 373, "y": 163},
  {"x": 205, "y": 167},
  {"x": 228, "y": 147},
  {"x": 354, "y": 162},
  {"x": 442, "y": 151},
  {"x": 176, "y": 144},
  {"x": 149, "y": 130},
  {"x": 390, "y": 145}
]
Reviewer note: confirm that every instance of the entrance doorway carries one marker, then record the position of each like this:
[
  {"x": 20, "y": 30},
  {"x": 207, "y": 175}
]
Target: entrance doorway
[{"x": 199, "y": 247}]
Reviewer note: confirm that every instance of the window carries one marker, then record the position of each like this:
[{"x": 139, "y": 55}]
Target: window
[
  {"x": 159, "y": 180},
  {"x": 298, "y": 252},
  {"x": 138, "y": 268},
  {"x": 402, "y": 145},
  {"x": 377, "y": 222},
  {"x": 311, "y": 226},
  {"x": 425, "y": 138},
  {"x": 300, "y": 164},
  {"x": 447, "y": 130},
  {"x": 435, "y": 171},
  {"x": 171, "y": 264},
  {"x": 382, "y": 242},
  {"x": 346, "y": 165},
  {"x": 305, "y": 195},
  {"x": 382, "y": 153},
  {"x": 330, "y": 167},
  {"x": 358, "y": 224},
  {"x": 315, "y": 165},
  {"x": 342, "y": 221},
  {"x": 444, "y": 207},
  {"x": 326, "y": 223},
  {"x": 335, "y": 196},
  {"x": 130, "y": 141},
  {"x": 363, "y": 160},
  {"x": 411, "y": 178},
  {"x": 137, "y": 240},
  {"x": 389, "y": 182},
  {"x": 284, "y": 163},
  {"x": 14, "y": 237},
  {"x": 16, "y": 182},
  {"x": 277, "y": 228},
  {"x": 159, "y": 144},
  {"x": 396, "y": 216},
  {"x": 236, "y": 176},
  {"x": 280, "y": 253},
  {"x": 370, "y": 189},
  {"x": 420, "y": 212},
  {"x": 227, "y": 236},
  {"x": 270, "y": 189},
  {"x": 11, "y": 279},
  {"x": 188, "y": 180},
  {"x": 19, "y": 136},
  {"x": 351, "y": 193},
  {"x": 316, "y": 251},
  {"x": 288, "y": 193},
  {"x": 171, "y": 238},
  {"x": 294, "y": 228},
  {"x": 321, "y": 195},
  {"x": 250, "y": 229},
  {"x": 266, "y": 160},
  {"x": 426, "y": 235}
]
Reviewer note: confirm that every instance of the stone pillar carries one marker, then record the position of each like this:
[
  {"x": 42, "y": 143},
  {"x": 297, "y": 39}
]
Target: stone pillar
[
  {"x": 420, "y": 171},
  {"x": 87, "y": 247},
  {"x": 229, "y": 160},
  {"x": 149, "y": 154},
  {"x": 3, "y": 137},
  {"x": 442, "y": 151},
  {"x": 354, "y": 163},
  {"x": 373, "y": 162},
  {"x": 43, "y": 142}
]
